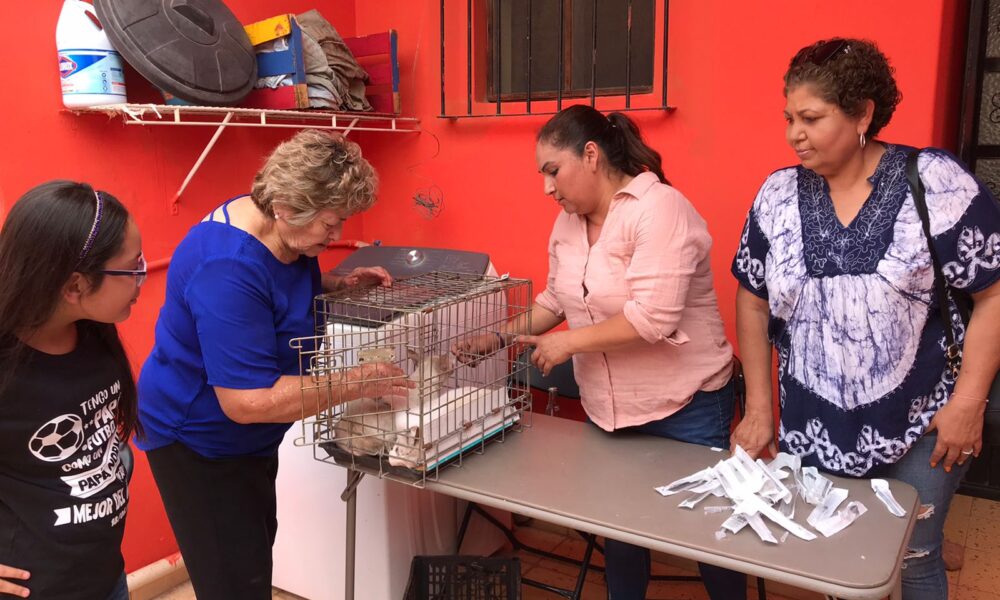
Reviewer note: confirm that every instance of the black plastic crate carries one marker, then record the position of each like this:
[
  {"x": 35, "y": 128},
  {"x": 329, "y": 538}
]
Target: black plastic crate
[{"x": 464, "y": 578}]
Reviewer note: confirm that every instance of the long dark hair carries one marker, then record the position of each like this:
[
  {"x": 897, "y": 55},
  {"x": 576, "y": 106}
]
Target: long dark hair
[
  {"x": 616, "y": 135},
  {"x": 41, "y": 244}
]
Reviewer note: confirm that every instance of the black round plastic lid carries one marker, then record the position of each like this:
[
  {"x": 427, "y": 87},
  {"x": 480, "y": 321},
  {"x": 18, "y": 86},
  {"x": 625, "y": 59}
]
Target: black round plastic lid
[{"x": 193, "y": 49}]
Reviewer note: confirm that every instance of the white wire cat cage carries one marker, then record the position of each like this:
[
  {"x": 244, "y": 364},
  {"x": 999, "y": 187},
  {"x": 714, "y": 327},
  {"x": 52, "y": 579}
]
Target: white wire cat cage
[{"x": 456, "y": 406}]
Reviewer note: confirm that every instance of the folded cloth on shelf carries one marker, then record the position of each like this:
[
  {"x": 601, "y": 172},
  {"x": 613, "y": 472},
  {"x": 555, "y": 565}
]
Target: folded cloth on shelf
[
  {"x": 321, "y": 92},
  {"x": 348, "y": 76},
  {"x": 320, "y": 80}
]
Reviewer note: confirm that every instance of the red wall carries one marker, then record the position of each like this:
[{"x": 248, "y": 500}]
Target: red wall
[
  {"x": 726, "y": 61},
  {"x": 143, "y": 166}
]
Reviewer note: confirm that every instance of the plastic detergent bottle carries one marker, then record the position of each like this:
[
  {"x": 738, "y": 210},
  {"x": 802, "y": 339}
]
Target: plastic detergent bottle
[{"x": 90, "y": 68}]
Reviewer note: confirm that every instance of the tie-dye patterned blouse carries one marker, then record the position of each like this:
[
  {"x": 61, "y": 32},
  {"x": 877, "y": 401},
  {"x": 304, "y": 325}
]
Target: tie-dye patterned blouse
[{"x": 852, "y": 310}]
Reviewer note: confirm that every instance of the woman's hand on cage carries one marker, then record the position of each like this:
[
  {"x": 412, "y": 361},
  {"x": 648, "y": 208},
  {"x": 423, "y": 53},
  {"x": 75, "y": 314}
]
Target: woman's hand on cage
[
  {"x": 551, "y": 349},
  {"x": 375, "y": 380},
  {"x": 471, "y": 350},
  {"x": 368, "y": 276}
]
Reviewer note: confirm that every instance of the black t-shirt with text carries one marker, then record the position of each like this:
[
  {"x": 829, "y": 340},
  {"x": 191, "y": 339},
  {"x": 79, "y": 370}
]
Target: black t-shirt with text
[{"x": 63, "y": 492}]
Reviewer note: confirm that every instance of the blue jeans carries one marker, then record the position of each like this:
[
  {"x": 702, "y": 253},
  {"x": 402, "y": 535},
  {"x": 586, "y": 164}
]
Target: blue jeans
[
  {"x": 704, "y": 421},
  {"x": 923, "y": 568},
  {"x": 121, "y": 589}
]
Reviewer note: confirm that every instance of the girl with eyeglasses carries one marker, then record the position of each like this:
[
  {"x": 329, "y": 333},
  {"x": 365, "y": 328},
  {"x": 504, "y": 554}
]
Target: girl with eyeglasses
[
  {"x": 71, "y": 266},
  {"x": 836, "y": 274}
]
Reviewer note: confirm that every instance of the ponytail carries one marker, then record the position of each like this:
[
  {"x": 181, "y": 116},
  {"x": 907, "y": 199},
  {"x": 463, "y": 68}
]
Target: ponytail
[
  {"x": 616, "y": 135},
  {"x": 632, "y": 155}
]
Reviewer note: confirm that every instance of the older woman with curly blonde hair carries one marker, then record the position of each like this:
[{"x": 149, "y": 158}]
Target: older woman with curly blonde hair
[{"x": 221, "y": 385}]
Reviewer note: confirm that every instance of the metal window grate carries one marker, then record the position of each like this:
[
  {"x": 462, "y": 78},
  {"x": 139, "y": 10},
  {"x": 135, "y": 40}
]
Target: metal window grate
[{"x": 488, "y": 48}]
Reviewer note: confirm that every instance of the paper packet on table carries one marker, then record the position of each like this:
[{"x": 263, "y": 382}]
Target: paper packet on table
[
  {"x": 762, "y": 492},
  {"x": 883, "y": 493}
]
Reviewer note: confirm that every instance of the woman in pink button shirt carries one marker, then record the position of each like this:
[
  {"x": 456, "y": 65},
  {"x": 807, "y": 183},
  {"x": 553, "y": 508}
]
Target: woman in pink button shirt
[{"x": 629, "y": 272}]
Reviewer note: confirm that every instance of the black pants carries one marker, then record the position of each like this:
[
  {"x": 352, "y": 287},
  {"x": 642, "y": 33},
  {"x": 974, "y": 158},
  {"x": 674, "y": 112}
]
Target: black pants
[{"x": 223, "y": 514}]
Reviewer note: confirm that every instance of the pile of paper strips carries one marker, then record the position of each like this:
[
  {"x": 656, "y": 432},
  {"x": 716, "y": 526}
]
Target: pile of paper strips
[{"x": 758, "y": 490}]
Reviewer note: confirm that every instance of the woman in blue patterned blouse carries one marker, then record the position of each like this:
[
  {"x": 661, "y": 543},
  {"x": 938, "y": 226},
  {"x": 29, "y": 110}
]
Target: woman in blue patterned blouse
[{"x": 836, "y": 275}]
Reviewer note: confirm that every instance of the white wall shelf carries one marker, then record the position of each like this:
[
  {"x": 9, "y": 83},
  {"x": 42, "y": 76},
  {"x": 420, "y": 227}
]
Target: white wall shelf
[{"x": 222, "y": 117}]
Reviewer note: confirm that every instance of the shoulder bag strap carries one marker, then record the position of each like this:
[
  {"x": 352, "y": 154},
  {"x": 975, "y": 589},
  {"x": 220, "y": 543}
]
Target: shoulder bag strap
[{"x": 940, "y": 284}]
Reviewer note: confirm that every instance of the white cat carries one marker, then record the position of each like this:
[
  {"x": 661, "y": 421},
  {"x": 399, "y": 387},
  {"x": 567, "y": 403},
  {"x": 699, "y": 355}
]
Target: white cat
[
  {"x": 368, "y": 426},
  {"x": 444, "y": 414},
  {"x": 364, "y": 426}
]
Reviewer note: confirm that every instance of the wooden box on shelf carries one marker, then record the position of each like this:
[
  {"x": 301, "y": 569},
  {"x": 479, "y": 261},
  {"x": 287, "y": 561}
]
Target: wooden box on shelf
[
  {"x": 378, "y": 55},
  {"x": 282, "y": 62}
]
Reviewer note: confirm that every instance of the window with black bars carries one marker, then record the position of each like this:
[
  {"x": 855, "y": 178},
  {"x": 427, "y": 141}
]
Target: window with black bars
[{"x": 525, "y": 57}]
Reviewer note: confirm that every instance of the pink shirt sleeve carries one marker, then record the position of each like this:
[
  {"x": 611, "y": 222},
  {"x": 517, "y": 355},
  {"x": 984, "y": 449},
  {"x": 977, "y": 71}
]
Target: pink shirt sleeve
[
  {"x": 547, "y": 298},
  {"x": 671, "y": 241}
]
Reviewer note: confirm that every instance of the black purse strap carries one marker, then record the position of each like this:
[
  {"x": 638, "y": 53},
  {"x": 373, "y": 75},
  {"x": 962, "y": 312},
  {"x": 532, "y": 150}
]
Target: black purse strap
[{"x": 952, "y": 350}]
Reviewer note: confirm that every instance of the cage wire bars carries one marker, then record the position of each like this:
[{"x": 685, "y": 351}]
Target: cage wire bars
[{"x": 456, "y": 406}]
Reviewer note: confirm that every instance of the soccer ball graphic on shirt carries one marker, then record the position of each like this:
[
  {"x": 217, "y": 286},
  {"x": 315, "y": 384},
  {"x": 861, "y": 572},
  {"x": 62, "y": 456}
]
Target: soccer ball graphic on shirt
[{"x": 58, "y": 439}]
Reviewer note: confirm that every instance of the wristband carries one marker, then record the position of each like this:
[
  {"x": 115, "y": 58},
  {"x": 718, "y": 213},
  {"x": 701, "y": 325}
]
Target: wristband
[{"x": 973, "y": 399}]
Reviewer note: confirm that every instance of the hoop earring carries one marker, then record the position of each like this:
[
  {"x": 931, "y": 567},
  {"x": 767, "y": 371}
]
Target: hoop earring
[{"x": 863, "y": 141}]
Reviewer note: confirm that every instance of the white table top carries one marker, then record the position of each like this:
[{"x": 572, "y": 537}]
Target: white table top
[{"x": 576, "y": 475}]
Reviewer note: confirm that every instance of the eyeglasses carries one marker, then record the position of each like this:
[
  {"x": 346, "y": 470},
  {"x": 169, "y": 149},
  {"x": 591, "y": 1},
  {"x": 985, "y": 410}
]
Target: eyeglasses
[
  {"x": 139, "y": 274},
  {"x": 825, "y": 52}
]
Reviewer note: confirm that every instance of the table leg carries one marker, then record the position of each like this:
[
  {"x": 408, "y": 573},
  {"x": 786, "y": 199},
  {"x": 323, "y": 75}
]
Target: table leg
[
  {"x": 350, "y": 496},
  {"x": 464, "y": 527},
  {"x": 582, "y": 577}
]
